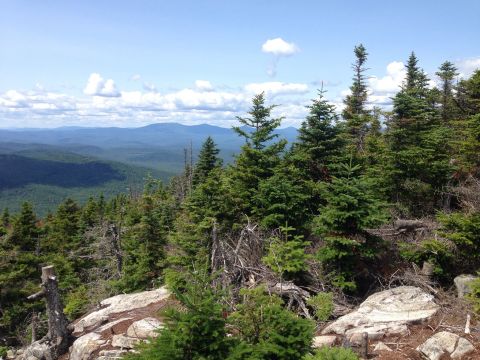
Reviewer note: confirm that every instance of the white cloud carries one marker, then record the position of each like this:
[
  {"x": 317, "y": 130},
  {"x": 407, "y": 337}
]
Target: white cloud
[
  {"x": 466, "y": 67},
  {"x": 391, "y": 82},
  {"x": 277, "y": 88},
  {"x": 149, "y": 87},
  {"x": 135, "y": 77},
  {"x": 279, "y": 47},
  {"x": 43, "y": 108},
  {"x": 203, "y": 85},
  {"x": 97, "y": 86}
]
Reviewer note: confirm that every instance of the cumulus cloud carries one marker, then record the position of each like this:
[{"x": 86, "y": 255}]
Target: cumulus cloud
[
  {"x": 277, "y": 88},
  {"x": 203, "y": 85},
  {"x": 466, "y": 67},
  {"x": 278, "y": 48},
  {"x": 201, "y": 104},
  {"x": 391, "y": 82},
  {"x": 97, "y": 86}
]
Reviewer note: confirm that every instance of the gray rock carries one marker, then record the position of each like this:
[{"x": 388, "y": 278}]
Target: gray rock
[
  {"x": 37, "y": 350},
  {"x": 124, "y": 342},
  {"x": 145, "y": 328},
  {"x": 118, "y": 304},
  {"x": 116, "y": 353},
  {"x": 445, "y": 343},
  {"x": 10, "y": 354},
  {"x": 85, "y": 346},
  {"x": 462, "y": 283},
  {"x": 324, "y": 340},
  {"x": 381, "y": 347},
  {"x": 385, "y": 313},
  {"x": 111, "y": 354}
]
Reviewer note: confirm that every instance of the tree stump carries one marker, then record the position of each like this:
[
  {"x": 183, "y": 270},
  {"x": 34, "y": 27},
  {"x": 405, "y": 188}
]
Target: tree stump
[{"x": 58, "y": 335}]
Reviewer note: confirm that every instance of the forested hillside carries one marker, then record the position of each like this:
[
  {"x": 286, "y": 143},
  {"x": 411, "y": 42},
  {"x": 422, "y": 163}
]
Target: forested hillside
[
  {"x": 362, "y": 198},
  {"x": 45, "y": 176}
]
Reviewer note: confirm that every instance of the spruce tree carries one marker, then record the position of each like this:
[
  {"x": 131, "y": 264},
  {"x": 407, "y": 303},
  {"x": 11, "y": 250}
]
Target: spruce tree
[
  {"x": 420, "y": 159},
  {"x": 355, "y": 113},
  {"x": 259, "y": 156},
  {"x": 352, "y": 205},
  {"x": 207, "y": 161},
  {"x": 19, "y": 270},
  {"x": 258, "y": 129},
  {"x": 25, "y": 233},
  {"x": 319, "y": 144},
  {"x": 144, "y": 248},
  {"x": 468, "y": 95},
  {"x": 447, "y": 73}
]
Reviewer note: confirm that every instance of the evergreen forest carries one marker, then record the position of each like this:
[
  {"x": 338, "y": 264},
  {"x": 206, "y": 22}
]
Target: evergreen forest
[{"x": 363, "y": 197}]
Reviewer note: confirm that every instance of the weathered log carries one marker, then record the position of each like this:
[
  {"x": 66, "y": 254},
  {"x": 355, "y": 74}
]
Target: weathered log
[
  {"x": 294, "y": 293},
  {"x": 58, "y": 335}
]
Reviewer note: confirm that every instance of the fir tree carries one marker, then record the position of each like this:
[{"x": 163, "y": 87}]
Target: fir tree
[
  {"x": 416, "y": 136},
  {"x": 258, "y": 129},
  {"x": 197, "y": 331},
  {"x": 144, "y": 249},
  {"x": 259, "y": 156},
  {"x": 25, "y": 233},
  {"x": 207, "y": 161},
  {"x": 268, "y": 330},
  {"x": 355, "y": 112},
  {"x": 319, "y": 145},
  {"x": 352, "y": 205},
  {"x": 468, "y": 95},
  {"x": 447, "y": 73}
]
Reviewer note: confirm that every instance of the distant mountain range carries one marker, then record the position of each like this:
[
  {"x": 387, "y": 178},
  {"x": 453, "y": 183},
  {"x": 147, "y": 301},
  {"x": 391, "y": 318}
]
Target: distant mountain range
[
  {"x": 47, "y": 165},
  {"x": 156, "y": 135}
]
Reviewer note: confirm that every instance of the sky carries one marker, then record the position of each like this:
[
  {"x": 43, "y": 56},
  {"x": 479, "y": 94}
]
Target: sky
[{"x": 133, "y": 63}]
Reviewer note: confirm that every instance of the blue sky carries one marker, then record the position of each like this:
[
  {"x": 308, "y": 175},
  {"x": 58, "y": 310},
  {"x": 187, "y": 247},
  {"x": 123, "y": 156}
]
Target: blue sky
[{"x": 130, "y": 63}]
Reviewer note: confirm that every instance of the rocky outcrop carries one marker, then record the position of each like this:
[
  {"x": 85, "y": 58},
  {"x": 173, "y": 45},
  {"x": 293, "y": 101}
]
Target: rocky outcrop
[
  {"x": 445, "y": 343},
  {"x": 119, "y": 304},
  {"x": 462, "y": 283},
  {"x": 145, "y": 328},
  {"x": 118, "y": 326},
  {"x": 385, "y": 313},
  {"x": 86, "y": 345}
]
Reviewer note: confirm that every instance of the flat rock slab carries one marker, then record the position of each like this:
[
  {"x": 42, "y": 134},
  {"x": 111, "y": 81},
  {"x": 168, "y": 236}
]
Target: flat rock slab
[
  {"x": 385, "y": 313},
  {"x": 124, "y": 342},
  {"x": 324, "y": 340},
  {"x": 443, "y": 343},
  {"x": 145, "y": 328},
  {"x": 85, "y": 346},
  {"x": 119, "y": 304}
]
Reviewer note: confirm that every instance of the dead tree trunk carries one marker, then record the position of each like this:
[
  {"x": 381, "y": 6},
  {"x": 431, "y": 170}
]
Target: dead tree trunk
[
  {"x": 58, "y": 333},
  {"x": 34, "y": 327}
]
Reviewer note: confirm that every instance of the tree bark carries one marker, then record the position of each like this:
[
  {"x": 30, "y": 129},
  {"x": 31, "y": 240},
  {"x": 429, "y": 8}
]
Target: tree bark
[{"x": 58, "y": 335}]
